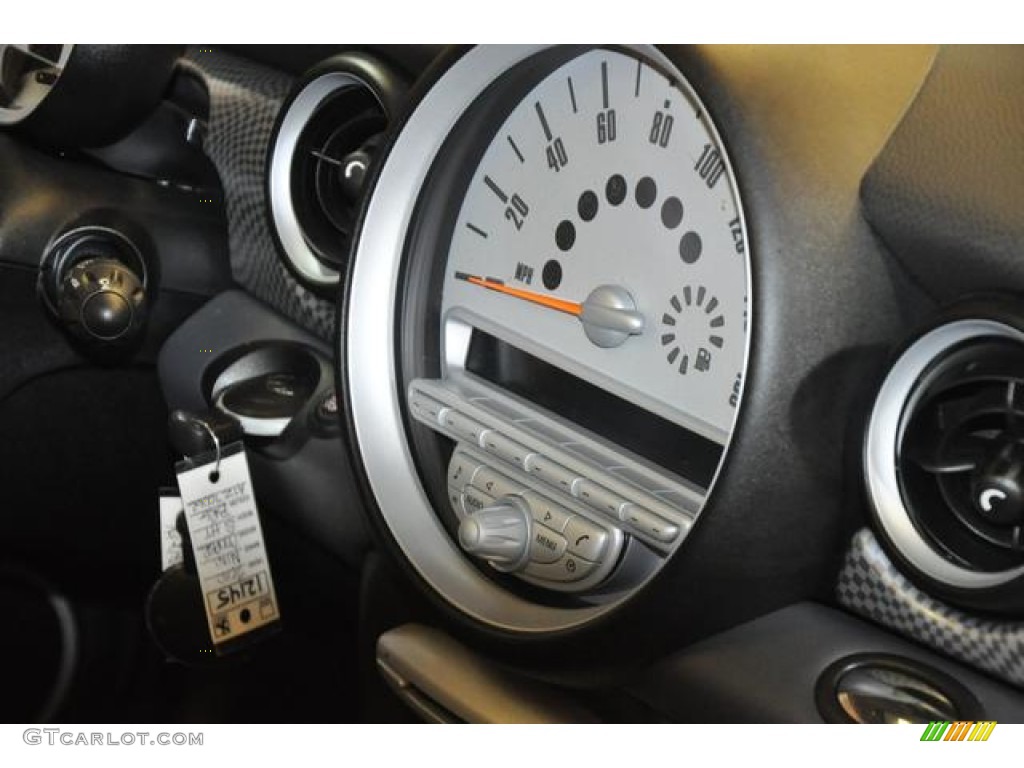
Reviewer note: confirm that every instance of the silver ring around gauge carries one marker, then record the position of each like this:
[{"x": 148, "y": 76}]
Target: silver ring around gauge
[{"x": 372, "y": 367}]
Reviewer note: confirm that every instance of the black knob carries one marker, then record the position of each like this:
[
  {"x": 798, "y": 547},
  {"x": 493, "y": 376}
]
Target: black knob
[
  {"x": 103, "y": 300},
  {"x": 106, "y": 315}
]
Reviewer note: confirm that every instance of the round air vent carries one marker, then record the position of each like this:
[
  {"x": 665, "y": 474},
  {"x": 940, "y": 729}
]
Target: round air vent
[
  {"x": 323, "y": 147},
  {"x": 944, "y": 458}
]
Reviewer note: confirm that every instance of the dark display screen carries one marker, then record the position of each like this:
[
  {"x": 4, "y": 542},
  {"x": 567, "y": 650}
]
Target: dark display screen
[{"x": 668, "y": 445}]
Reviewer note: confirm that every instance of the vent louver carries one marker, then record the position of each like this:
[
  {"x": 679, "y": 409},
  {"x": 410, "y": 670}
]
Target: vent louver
[
  {"x": 321, "y": 154},
  {"x": 331, "y": 160},
  {"x": 944, "y": 457},
  {"x": 961, "y": 459}
]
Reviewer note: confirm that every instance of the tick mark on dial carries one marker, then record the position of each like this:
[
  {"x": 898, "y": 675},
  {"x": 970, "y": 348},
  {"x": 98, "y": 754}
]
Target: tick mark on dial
[
  {"x": 495, "y": 189},
  {"x": 604, "y": 84},
  {"x": 543, "y": 120},
  {"x": 516, "y": 150}
]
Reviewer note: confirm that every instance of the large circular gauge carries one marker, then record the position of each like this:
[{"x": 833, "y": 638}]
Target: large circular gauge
[
  {"x": 601, "y": 231},
  {"x": 559, "y": 320}
]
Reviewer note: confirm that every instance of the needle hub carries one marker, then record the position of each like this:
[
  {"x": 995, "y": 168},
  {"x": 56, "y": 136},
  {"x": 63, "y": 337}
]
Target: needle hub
[{"x": 610, "y": 316}]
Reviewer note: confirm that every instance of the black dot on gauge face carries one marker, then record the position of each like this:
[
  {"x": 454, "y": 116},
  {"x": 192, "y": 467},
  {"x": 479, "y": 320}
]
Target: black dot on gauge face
[
  {"x": 552, "y": 275},
  {"x": 646, "y": 192},
  {"x": 690, "y": 247},
  {"x": 672, "y": 212},
  {"x": 565, "y": 235},
  {"x": 615, "y": 189},
  {"x": 587, "y": 206}
]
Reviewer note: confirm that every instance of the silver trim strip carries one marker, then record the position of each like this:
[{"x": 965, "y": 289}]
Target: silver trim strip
[
  {"x": 899, "y": 394},
  {"x": 252, "y": 425},
  {"x": 444, "y": 681}
]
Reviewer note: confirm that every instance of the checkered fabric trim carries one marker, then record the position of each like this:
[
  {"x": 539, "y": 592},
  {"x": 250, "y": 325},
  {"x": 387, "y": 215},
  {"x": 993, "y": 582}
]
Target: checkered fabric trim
[
  {"x": 869, "y": 584},
  {"x": 245, "y": 99}
]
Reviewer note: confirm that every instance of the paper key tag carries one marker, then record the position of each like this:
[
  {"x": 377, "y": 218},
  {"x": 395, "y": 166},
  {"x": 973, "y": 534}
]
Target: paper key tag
[
  {"x": 170, "y": 539},
  {"x": 227, "y": 540}
]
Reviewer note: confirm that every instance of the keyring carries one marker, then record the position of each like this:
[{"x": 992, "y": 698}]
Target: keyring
[{"x": 216, "y": 444}]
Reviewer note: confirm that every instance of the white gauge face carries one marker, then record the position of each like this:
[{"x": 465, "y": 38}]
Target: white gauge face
[{"x": 602, "y": 232}]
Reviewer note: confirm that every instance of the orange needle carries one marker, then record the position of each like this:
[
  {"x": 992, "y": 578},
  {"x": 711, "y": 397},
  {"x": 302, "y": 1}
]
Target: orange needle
[{"x": 569, "y": 307}]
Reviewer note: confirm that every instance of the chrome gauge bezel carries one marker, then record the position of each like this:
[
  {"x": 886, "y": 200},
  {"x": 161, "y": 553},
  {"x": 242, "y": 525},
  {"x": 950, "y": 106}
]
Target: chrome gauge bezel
[{"x": 371, "y": 360}]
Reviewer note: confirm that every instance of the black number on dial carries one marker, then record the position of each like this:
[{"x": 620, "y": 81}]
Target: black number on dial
[{"x": 517, "y": 210}]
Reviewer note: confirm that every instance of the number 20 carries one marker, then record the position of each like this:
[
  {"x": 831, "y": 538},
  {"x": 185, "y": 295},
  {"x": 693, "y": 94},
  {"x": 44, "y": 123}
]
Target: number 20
[{"x": 517, "y": 211}]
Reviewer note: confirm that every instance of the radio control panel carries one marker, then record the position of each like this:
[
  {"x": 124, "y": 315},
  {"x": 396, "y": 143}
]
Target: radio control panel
[{"x": 558, "y": 506}]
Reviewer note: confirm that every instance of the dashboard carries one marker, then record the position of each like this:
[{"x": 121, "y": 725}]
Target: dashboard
[{"x": 619, "y": 367}]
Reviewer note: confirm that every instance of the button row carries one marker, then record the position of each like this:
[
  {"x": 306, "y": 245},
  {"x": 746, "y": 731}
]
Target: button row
[
  {"x": 507, "y": 449},
  {"x": 566, "y": 558},
  {"x": 640, "y": 517},
  {"x": 565, "y": 569},
  {"x": 546, "y": 546},
  {"x": 649, "y": 523},
  {"x": 473, "y": 486},
  {"x": 579, "y": 536}
]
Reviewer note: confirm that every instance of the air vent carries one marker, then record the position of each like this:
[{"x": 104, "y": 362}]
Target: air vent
[
  {"x": 323, "y": 148},
  {"x": 962, "y": 456},
  {"x": 945, "y": 456}
]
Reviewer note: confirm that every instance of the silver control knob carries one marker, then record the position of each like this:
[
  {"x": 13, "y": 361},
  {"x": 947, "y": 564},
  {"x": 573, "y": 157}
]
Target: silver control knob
[{"x": 499, "y": 534}]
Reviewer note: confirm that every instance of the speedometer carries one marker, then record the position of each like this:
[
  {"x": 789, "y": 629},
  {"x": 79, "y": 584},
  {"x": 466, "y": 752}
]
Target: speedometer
[
  {"x": 559, "y": 315},
  {"x": 601, "y": 231}
]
